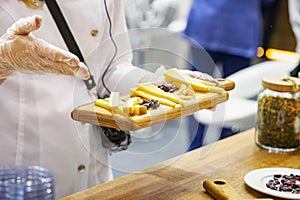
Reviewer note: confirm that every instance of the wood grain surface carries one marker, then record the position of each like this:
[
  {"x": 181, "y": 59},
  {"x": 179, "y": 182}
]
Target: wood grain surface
[
  {"x": 182, "y": 177},
  {"x": 89, "y": 113}
]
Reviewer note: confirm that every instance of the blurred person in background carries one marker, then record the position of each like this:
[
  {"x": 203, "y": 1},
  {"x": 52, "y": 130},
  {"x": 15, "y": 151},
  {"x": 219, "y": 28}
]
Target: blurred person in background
[
  {"x": 269, "y": 9},
  {"x": 145, "y": 14},
  {"x": 148, "y": 19},
  {"x": 294, "y": 16},
  {"x": 230, "y": 31},
  {"x": 150, "y": 13}
]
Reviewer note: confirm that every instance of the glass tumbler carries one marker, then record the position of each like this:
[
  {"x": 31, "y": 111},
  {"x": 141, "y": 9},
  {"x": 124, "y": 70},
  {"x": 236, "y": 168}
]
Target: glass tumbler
[{"x": 26, "y": 182}]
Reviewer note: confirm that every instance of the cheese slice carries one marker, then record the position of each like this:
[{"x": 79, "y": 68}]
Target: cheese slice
[
  {"x": 102, "y": 103},
  {"x": 114, "y": 100},
  {"x": 126, "y": 106},
  {"x": 148, "y": 96},
  {"x": 176, "y": 97},
  {"x": 140, "y": 110},
  {"x": 174, "y": 75},
  {"x": 154, "y": 90},
  {"x": 129, "y": 106}
]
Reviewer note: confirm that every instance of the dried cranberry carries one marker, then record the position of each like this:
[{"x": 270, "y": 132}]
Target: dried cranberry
[
  {"x": 152, "y": 104},
  {"x": 168, "y": 88},
  {"x": 285, "y": 183},
  {"x": 277, "y": 176}
]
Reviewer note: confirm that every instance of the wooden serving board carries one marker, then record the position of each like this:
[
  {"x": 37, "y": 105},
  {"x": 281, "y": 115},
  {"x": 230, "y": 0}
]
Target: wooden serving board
[{"x": 89, "y": 113}]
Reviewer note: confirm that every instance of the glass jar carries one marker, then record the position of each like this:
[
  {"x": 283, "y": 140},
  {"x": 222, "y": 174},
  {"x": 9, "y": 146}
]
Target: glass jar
[{"x": 278, "y": 115}]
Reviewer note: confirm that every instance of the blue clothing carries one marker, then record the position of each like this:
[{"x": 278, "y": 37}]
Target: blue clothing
[
  {"x": 227, "y": 26},
  {"x": 230, "y": 32},
  {"x": 230, "y": 63}
]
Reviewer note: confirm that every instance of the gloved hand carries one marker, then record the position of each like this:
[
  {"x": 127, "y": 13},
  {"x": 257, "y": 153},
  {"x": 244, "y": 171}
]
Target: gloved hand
[{"x": 20, "y": 51}]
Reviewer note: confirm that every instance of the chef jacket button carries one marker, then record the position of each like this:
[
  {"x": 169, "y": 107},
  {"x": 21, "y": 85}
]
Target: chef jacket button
[
  {"x": 81, "y": 168},
  {"x": 94, "y": 32}
]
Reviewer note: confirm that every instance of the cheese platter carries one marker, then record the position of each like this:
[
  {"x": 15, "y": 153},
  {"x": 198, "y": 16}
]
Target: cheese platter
[{"x": 148, "y": 104}]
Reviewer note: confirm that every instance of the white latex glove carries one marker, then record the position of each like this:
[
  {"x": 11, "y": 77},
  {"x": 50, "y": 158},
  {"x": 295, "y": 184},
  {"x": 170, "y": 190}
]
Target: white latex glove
[{"x": 20, "y": 51}]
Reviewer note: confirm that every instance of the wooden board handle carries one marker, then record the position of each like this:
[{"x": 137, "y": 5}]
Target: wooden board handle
[
  {"x": 226, "y": 84},
  {"x": 219, "y": 189}
]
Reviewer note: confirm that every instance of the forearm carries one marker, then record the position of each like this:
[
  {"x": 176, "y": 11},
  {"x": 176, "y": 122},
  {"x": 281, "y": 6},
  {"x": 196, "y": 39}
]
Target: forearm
[{"x": 122, "y": 77}]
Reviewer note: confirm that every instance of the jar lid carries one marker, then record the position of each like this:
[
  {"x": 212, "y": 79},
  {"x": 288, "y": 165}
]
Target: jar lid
[{"x": 286, "y": 84}]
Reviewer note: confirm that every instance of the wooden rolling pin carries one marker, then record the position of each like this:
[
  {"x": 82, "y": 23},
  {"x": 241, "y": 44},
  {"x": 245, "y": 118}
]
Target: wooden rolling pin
[{"x": 219, "y": 189}]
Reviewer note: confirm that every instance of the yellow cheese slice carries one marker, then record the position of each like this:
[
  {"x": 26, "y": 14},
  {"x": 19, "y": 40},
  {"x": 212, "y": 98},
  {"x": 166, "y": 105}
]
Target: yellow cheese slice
[
  {"x": 102, "y": 103},
  {"x": 148, "y": 96},
  {"x": 154, "y": 90},
  {"x": 140, "y": 110},
  {"x": 129, "y": 106},
  {"x": 174, "y": 75}
]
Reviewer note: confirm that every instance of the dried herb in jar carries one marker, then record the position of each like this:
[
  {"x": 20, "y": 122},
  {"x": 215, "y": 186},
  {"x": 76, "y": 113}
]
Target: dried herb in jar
[{"x": 278, "y": 122}]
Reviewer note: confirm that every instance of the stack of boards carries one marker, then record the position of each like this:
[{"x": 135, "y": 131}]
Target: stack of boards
[{"x": 148, "y": 104}]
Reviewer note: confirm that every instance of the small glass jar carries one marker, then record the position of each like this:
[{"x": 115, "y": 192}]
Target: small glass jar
[{"x": 278, "y": 115}]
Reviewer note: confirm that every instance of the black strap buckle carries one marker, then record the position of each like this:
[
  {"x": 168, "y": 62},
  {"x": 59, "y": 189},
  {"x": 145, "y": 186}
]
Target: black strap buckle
[
  {"x": 115, "y": 140},
  {"x": 295, "y": 71},
  {"x": 68, "y": 37}
]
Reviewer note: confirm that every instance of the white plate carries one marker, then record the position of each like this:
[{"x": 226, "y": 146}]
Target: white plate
[{"x": 257, "y": 180}]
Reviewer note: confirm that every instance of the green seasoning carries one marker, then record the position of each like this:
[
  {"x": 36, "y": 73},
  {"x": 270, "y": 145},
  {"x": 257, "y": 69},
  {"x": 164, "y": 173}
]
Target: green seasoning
[
  {"x": 278, "y": 122},
  {"x": 278, "y": 115}
]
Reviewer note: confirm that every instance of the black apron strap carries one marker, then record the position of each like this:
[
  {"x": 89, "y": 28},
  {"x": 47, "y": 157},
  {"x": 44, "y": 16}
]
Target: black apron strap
[
  {"x": 112, "y": 139},
  {"x": 68, "y": 37}
]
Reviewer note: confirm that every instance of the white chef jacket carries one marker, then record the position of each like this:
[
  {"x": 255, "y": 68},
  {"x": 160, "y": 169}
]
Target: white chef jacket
[{"x": 35, "y": 123}]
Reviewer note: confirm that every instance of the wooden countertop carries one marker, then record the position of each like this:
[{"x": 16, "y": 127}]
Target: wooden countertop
[{"x": 182, "y": 177}]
